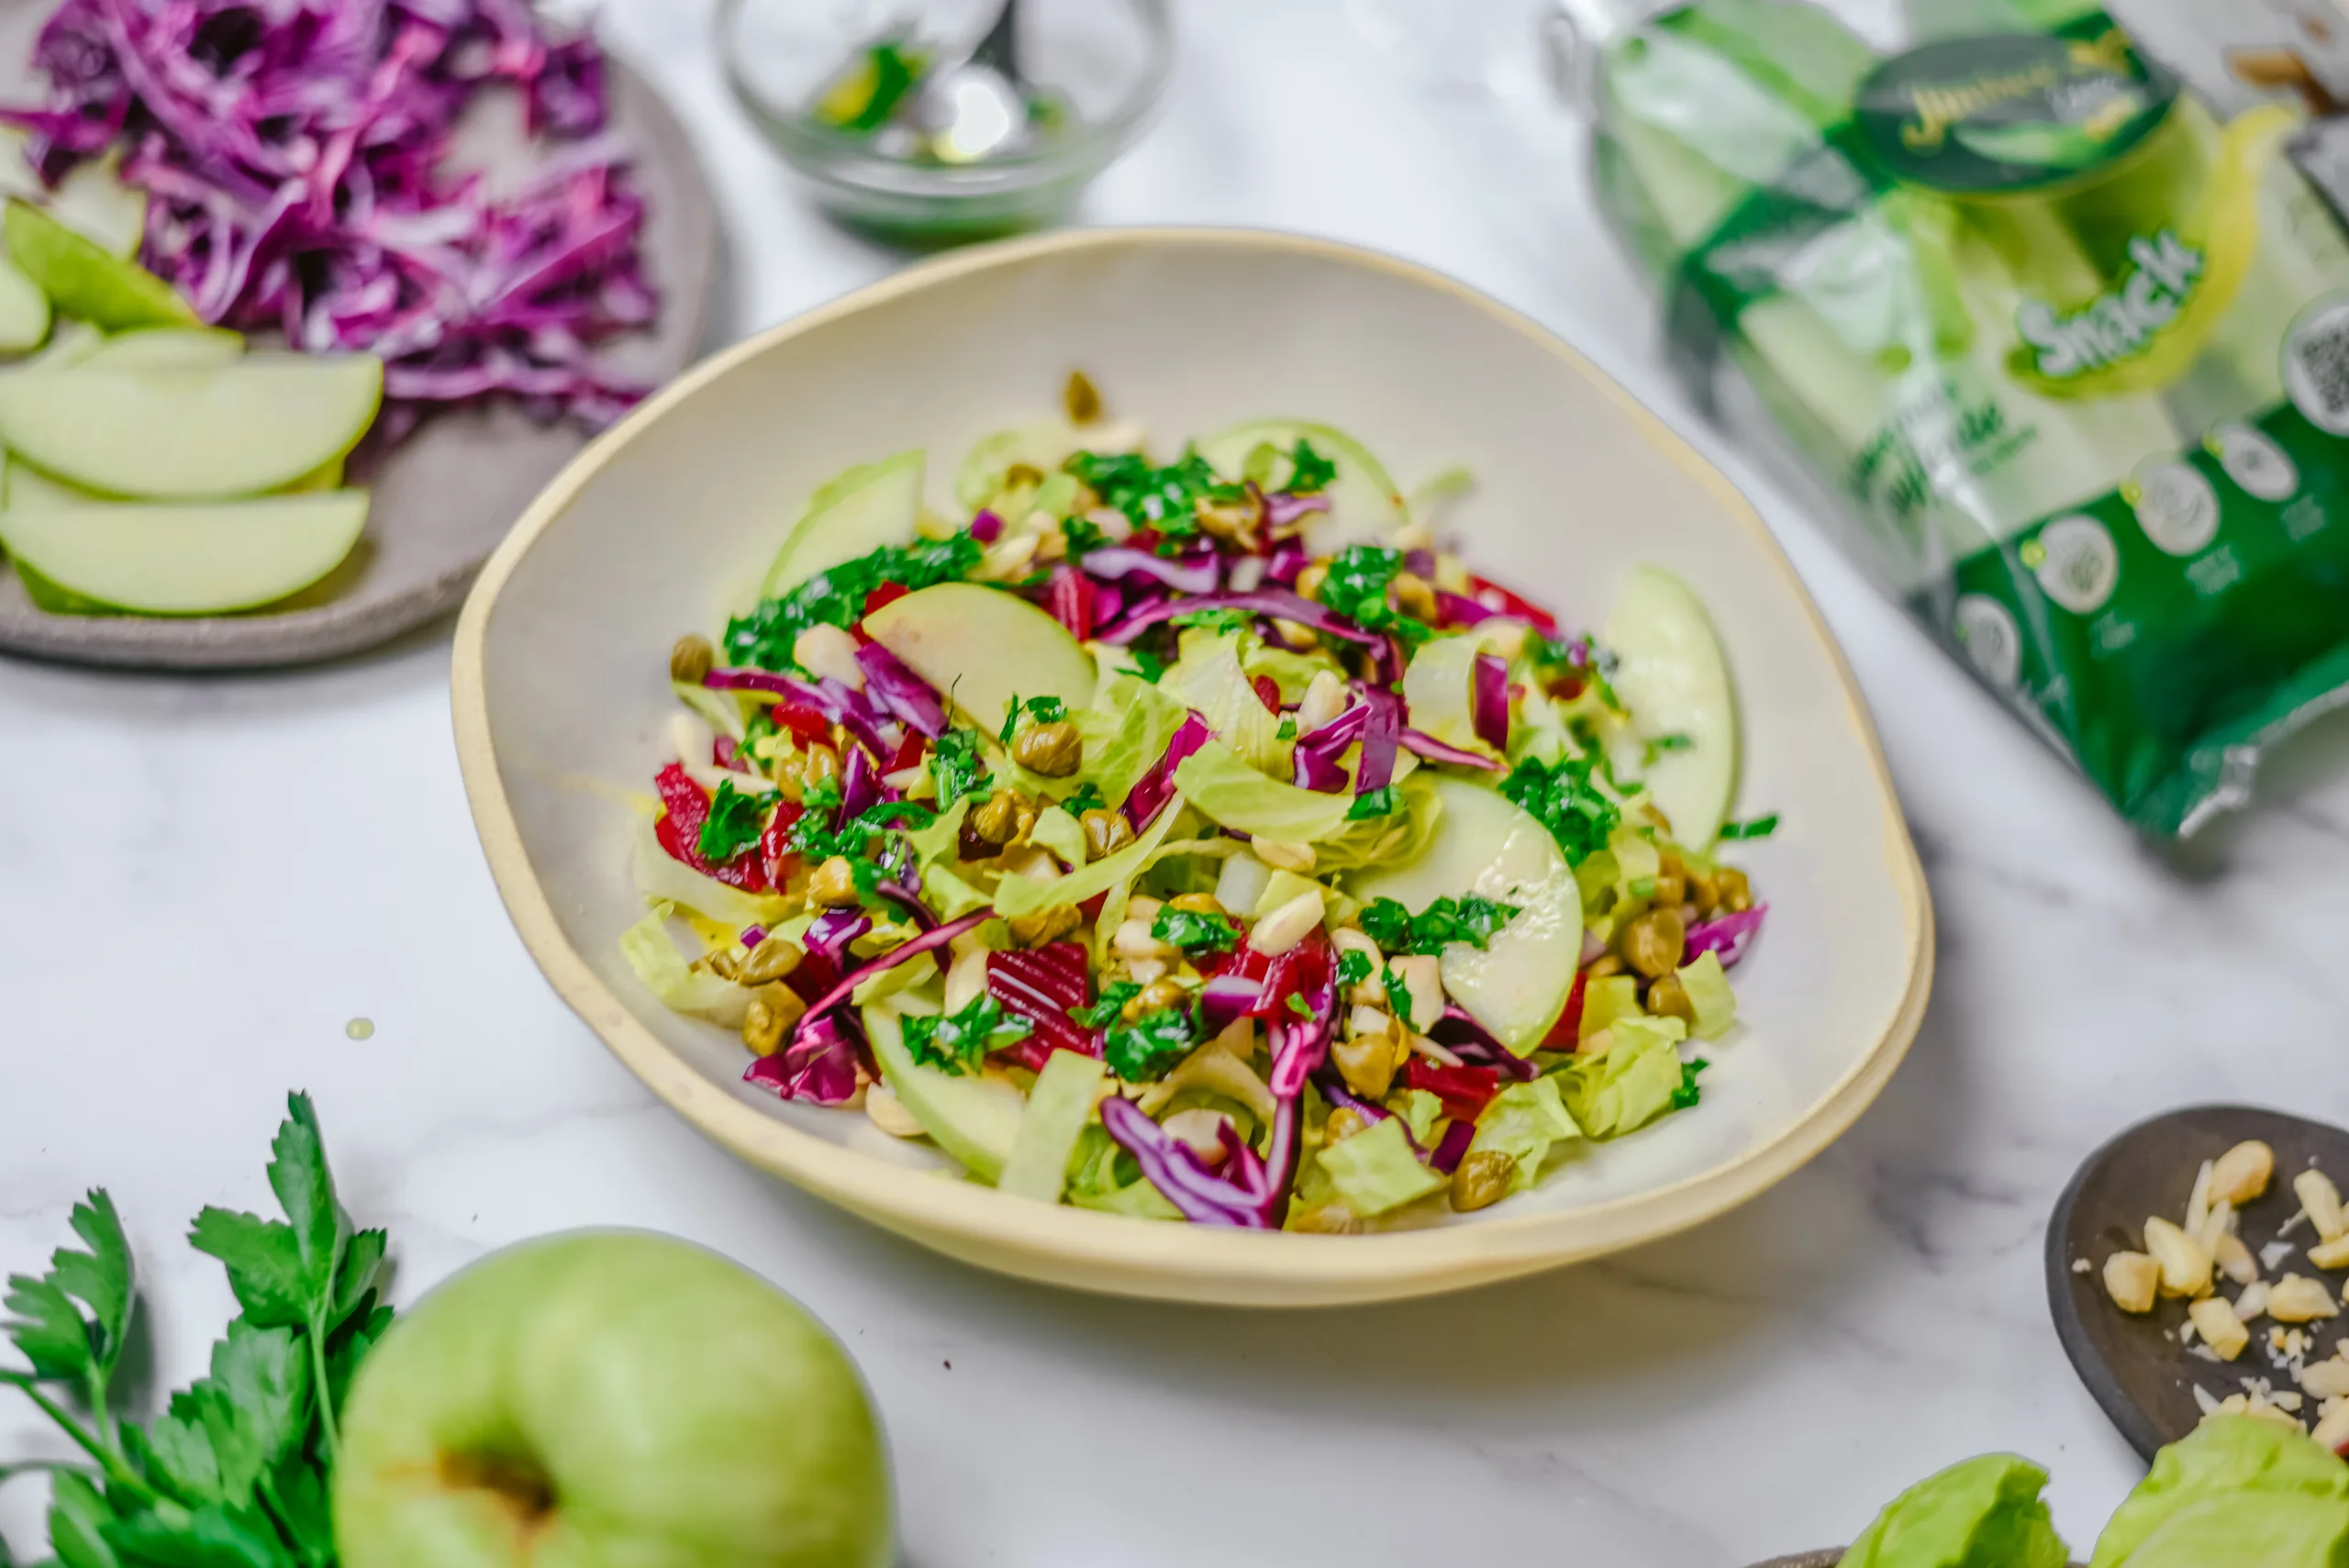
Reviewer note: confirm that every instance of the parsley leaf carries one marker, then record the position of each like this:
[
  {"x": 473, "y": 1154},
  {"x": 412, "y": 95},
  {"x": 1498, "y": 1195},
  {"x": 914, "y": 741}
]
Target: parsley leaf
[
  {"x": 1299, "y": 1006},
  {"x": 1084, "y": 536},
  {"x": 1354, "y": 965},
  {"x": 955, "y": 768},
  {"x": 1309, "y": 472},
  {"x": 1287, "y": 730},
  {"x": 1086, "y": 798},
  {"x": 836, "y": 596},
  {"x": 1043, "y": 710},
  {"x": 1150, "y": 666},
  {"x": 1472, "y": 919},
  {"x": 1149, "y": 1048},
  {"x": 1753, "y": 828},
  {"x": 1662, "y": 744},
  {"x": 1161, "y": 498},
  {"x": 957, "y": 1041},
  {"x": 1373, "y": 804},
  {"x": 1357, "y": 587},
  {"x": 734, "y": 823},
  {"x": 50, "y": 1330},
  {"x": 1193, "y": 932},
  {"x": 1399, "y": 995},
  {"x": 1105, "y": 1012},
  {"x": 1563, "y": 799},
  {"x": 1217, "y": 620},
  {"x": 1689, "y": 1093}
]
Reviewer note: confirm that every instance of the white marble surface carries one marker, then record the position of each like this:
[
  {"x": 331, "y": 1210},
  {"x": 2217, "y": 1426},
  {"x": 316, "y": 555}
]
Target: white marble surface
[{"x": 202, "y": 880}]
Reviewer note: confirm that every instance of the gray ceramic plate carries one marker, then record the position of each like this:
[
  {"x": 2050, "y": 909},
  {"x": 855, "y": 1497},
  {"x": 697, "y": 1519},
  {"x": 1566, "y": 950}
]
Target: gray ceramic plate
[{"x": 446, "y": 495}]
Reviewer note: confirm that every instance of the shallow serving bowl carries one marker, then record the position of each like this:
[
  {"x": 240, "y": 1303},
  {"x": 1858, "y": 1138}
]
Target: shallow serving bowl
[{"x": 662, "y": 526}]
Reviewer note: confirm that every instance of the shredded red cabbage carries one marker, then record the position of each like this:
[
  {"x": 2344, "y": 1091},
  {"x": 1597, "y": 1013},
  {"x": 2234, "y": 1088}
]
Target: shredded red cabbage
[
  {"x": 1315, "y": 762},
  {"x": 1382, "y": 731},
  {"x": 901, "y": 692},
  {"x": 1449, "y": 1149},
  {"x": 1456, "y": 610},
  {"x": 1281, "y": 508},
  {"x": 818, "y": 1065},
  {"x": 829, "y": 933},
  {"x": 843, "y": 704},
  {"x": 1278, "y": 603},
  {"x": 1435, "y": 750},
  {"x": 936, "y": 937},
  {"x": 1475, "y": 1044},
  {"x": 1228, "y": 997},
  {"x": 1727, "y": 935},
  {"x": 1153, "y": 790},
  {"x": 1114, "y": 562},
  {"x": 1176, "y": 1169},
  {"x": 1488, "y": 701},
  {"x": 294, "y": 155}
]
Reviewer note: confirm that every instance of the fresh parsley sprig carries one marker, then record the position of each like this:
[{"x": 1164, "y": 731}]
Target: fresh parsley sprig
[
  {"x": 766, "y": 637},
  {"x": 1472, "y": 919},
  {"x": 1194, "y": 932},
  {"x": 238, "y": 1470},
  {"x": 735, "y": 821},
  {"x": 958, "y": 1042},
  {"x": 1562, "y": 798},
  {"x": 1357, "y": 587}
]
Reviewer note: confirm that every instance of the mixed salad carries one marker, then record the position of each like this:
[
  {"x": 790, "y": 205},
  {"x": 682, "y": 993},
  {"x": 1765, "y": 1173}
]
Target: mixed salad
[{"x": 1196, "y": 839}]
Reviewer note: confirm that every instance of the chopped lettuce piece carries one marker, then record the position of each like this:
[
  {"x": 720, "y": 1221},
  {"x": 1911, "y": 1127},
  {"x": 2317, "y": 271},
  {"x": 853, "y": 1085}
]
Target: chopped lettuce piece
[
  {"x": 662, "y": 969},
  {"x": 1059, "y": 1105},
  {"x": 1420, "y": 1111},
  {"x": 1210, "y": 677},
  {"x": 1982, "y": 1513},
  {"x": 1058, "y": 831},
  {"x": 1019, "y": 894},
  {"x": 1229, "y": 793},
  {"x": 1125, "y": 733},
  {"x": 1710, "y": 997},
  {"x": 1522, "y": 1122},
  {"x": 2242, "y": 1489},
  {"x": 663, "y": 880},
  {"x": 1376, "y": 1170},
  {"x": 1606, "y": 999},
  {"x": 1093, "y": 1180},
  {"x": 1438, "y": 690},
  {"x": 1629, "y": 1085}
]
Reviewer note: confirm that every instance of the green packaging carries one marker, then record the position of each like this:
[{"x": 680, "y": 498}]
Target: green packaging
[{"x": 2072, "y": 352}]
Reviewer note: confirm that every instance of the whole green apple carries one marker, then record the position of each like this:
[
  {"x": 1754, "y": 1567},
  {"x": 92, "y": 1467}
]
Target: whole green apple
[{"x": 610, "y": 1400}]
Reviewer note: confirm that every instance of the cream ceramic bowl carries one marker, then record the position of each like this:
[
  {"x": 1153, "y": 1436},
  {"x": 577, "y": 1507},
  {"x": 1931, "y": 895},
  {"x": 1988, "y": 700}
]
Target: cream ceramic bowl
[{"x": 662, "y": 526}]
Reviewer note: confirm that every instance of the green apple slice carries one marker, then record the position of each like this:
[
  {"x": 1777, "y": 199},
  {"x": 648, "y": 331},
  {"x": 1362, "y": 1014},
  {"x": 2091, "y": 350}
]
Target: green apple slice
[
  {"x": 1516, "y": 986},
  {"x": 872, "y": 505},
  {"x": 1672, "y": 674},
  {"x": 235, "y": 429},
  {"x": 91, "y": 200},
  {"x": 974, "y": 1119},
  {"x": 1364, "y": 506},
  {"x": 24, "y": 311},
  {"x": 187, "y": 560},
  {"x": 84, "y": 282},
  {"x": 983, "y": 646},
  {"x": 25, "y": 485},
  {"x": 1043, "y": 447},
  {"x": 168, "y": 348}
]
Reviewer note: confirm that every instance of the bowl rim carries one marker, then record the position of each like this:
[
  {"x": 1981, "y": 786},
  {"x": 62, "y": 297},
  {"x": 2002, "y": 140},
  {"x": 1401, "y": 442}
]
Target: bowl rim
[{"x": 1113, "y": 1253}]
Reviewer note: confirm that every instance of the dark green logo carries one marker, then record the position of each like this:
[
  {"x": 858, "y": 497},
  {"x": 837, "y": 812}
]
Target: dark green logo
[{"x": 2010, "y": 111}]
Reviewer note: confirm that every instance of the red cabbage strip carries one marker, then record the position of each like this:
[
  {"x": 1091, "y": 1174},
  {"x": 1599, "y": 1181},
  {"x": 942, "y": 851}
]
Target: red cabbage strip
[
  {"x": 1724, "y": 934},
  {"x": 819, "y": 1065},
  {"x": 860, "y": 787},
  {"x": 937, "y": 937},
  {"x": 1278, "y": 603},
  {"x": 1282, "y": 509},
  {"x": 1435, "y": 750},
  {"x": 1488, "y": 701},
  {"x": 1452, "y": 1145},
  {"x": 842, "y": 705},
  {"x": 1458, "y": 610},
  {"x": 1151, "y": 791},
  {"x": 831, "y": 932},
  {"x": 1315, "y": 758},
  {"x": 1228, "y": 997},
  {"x": 986, "y": 527},
  {"x": 1472, "y": 1043},
  {"x": 1114, "y": 562},
  {"x": 1284, "y": 563},
  {"x": 1176, "y": 1169},
  {"x": 1381, "y": 731},
  {"x": 1300, "y": 1044},
  {"x": 900, "y": 691}
]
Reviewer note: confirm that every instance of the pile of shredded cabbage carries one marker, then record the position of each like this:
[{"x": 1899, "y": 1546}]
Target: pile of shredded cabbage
[
  {"x": 295, "y": 156},
  {"x": 1125, "y": 952}
]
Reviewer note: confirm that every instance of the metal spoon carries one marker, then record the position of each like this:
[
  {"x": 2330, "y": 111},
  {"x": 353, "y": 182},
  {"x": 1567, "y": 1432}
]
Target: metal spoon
[
  {"x": 977, "y": 108},
  {"x": 2136, "y": 1366}
]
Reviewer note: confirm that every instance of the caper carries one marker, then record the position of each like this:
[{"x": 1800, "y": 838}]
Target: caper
[
  {"x": 1736, "y": 893},
  {"x": 1053, "y": 750},
  {"x": 1482, "y": 1178},
  {"x": 1671, "y": 891},
  {"x": 833, "y": 883},
  {"x": 1669, "y": 998},
  {"x": 1651, "y": 943},
  {"x": 1156, "y": 997},
  {"x": 762, "y": 1028},
  {"x": 1081, "y": 398},
  {"x": 822, "y": 767},
  {"x": 1106, "y": 832},
  {"x": 770, "y": 962},
  {"x": 996, "y": 819},
  {"x": 791, "y": 776},
  {"x": 1042, "y": 926},
  {"x": 724, "y": 962},
  {"x": 690, "y": 660}
]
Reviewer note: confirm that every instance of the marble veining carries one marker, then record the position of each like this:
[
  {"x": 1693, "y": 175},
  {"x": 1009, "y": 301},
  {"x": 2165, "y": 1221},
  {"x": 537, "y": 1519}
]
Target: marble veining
[{"x": 201, "y": 881}]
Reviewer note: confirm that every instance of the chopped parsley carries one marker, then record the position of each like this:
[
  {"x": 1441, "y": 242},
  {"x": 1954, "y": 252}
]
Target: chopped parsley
[
  {"x": 1194, "y": 932},
  {"x": 1043, "y": 710},
  {"x": 733, "y": 825},
  {"x": 1399, "y": 995},
  {"x": 766, "y": 635},
  {"x": 1353, "y": 967},
  {"x": 1662, "y": 744},
  {"x": 957, "y": 1041},
  {"x": 1286, "y": 729},
  {"x": 1309, "y": 472},
  {"x": 1689, "y": 1093},
  {"x": 1084, "y": 536},
  {"x": 1298, "y": 1005},
  {"x": 1472, "y": 919},
  {"x": 1562, "y": 797},
  {"x": 1149, "y": 1048},
  {"x": 1086, "y": 798},
  {"x": 861, "y": 840},
  {"x": 1154, "y": 497},
  {"x": 1357, "y": 587},
  {"x": 1105, "y": 1012},
  {"x": 1751, "y": 827},
  {"x": 1373, "y": 804},
  {"x": 1150, "y": 666},
  {"x": 1228, "y": 619},
  {"x": 955, "y": 768}
]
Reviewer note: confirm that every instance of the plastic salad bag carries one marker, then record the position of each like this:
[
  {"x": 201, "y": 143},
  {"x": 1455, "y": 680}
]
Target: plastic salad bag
[{"x": 2071, "y": 349}]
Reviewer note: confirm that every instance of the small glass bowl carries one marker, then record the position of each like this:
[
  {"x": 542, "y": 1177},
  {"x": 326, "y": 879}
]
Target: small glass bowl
[{"x": 1104, "y": 60}]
